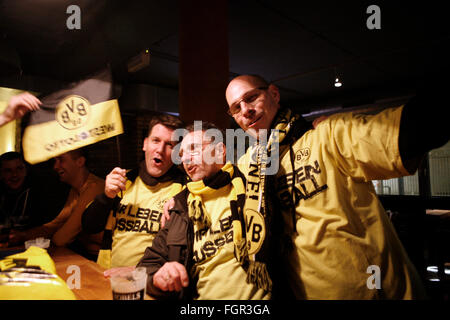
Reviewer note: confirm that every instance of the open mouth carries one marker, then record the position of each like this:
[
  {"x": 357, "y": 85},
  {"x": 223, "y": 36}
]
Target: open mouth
[
  {"x": 190, "y": 169},
  {"x": 157, "y": 161},
  {"x": 61, "y": 174}
]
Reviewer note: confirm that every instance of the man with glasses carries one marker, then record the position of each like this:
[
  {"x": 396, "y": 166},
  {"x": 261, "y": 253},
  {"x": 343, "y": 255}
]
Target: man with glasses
[
  {"x": 337, "y": 241},
  {"x": 200, "y": 251}
]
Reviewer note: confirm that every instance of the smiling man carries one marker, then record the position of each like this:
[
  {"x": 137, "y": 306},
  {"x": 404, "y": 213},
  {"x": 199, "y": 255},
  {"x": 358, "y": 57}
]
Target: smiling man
[
  {"x": 200, "y": 253},
  {"x": 131, "y": 205},
  {"x": 65, "y": 229},
  {"x": 335, "y": 229}
]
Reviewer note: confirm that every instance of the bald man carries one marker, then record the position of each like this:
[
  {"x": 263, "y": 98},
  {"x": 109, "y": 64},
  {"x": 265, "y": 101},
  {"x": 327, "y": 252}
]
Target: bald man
[{"x": 337, "y": 241}]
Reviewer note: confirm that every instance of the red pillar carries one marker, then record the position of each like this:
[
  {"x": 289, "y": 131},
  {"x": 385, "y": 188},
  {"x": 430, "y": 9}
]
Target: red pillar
[{"x": 203, "y": 62}]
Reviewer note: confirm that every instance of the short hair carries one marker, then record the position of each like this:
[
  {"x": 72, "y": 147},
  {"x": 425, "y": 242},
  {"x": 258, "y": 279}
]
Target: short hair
[
  {"x": 206, "y": 125},
  {"x": 11, "y": 155},
  {"x": 78, "y": 153},
  {"x": 167, "y": 120}
]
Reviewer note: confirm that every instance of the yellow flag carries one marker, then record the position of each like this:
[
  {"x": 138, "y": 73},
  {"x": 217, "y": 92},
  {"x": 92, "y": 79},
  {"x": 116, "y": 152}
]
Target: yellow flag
[{"x": 71, "y": 118}]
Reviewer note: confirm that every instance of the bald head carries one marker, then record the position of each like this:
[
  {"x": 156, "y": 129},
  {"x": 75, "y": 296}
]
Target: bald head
[
  {"x": 252, "y": 79},
  {"x": 257, "y": 102}
]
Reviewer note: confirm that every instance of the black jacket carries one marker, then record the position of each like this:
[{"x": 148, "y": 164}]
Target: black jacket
[{"x": 172, "y": 243}]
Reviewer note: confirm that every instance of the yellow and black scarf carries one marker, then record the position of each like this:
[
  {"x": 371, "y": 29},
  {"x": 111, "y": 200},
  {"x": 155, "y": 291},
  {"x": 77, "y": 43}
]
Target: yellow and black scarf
[
  {"x": 228, "y": 174},
  {"x": 261, "y": 197},
  {"x": 260, "y": 153},
  {"x": 256, "y": 270}
]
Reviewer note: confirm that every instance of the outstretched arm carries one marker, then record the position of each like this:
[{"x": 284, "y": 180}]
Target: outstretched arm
[
  {"x": 18, "y": 106},
  {"x": 423, "y": 125}
]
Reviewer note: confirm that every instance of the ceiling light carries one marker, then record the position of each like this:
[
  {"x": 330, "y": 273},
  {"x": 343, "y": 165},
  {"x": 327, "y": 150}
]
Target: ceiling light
[
  {"x": 337, "y": 82},
  {"x": 432, "y": 269}
]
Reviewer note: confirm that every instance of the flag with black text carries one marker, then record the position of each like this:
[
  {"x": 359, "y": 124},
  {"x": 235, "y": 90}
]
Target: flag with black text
[{"x": 71, "y": 118}]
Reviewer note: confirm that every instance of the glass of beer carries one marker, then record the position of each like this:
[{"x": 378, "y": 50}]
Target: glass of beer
[{"x": 129, "y": 285}]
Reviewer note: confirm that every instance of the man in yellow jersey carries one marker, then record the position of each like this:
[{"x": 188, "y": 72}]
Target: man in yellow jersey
[
  {"x": 336, "y": 239},
  {"x": 200, "y": 252},
  {"x": 132, "y": 203}
]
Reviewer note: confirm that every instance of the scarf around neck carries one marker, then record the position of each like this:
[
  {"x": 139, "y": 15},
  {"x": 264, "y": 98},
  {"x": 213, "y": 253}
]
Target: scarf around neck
[
  {"x": 198, "y": 189},
  {"x": 173, "y": 174},
  {"x": 258, "y": 254},
  {"x": 229, "y": 174}
]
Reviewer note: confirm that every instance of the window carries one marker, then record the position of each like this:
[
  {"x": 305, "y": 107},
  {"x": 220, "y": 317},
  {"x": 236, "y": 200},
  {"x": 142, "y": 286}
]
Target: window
[
  {"x": 408, "y": 185},
  {"x": 439, "y": 165},
  {"x": 437, "y": 179}
]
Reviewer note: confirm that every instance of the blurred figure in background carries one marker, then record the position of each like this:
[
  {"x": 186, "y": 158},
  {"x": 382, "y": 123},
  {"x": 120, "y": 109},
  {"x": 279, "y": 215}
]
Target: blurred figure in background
[
  {"x": 23, "y": 202},
  {"x": 65, "y": 229}
]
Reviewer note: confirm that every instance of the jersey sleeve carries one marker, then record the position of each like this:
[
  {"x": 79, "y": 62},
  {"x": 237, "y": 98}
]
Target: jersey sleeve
[{"x": 365, "y": 147}]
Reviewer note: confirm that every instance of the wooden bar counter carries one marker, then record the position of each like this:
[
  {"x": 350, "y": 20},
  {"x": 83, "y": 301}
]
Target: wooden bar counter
[
  {"x": 84, "y": 277},
  {"x": 92, "y": 284}
]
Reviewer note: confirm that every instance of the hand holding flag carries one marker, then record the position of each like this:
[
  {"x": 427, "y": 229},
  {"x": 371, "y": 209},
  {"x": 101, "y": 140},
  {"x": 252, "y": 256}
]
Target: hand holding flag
[
  {"x": 71, "y": 118},
  {"x": 18, "y": 106}
]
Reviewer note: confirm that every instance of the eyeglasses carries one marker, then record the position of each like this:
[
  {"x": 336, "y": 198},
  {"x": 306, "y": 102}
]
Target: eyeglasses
[
  {"x": 250, "y": 98},
  {"x": 194, "y": 149}
]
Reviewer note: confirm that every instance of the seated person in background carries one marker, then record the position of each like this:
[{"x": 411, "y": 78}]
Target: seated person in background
[
  {"x": 199, "y": 253},
  {"x": 130, "y": 208},
  {"x": 65, "y": 229},
  {"x": 23, "y": 202}
]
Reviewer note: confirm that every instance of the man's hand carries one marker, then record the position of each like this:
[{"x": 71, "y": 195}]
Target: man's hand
[
  {"x": 115, "y": 182},
  {"x": 111, "y": 272},
  {"x": 18, "y": 106},
  {"x": 166, "y": 215},
  {"x": 172, "y": 276}
]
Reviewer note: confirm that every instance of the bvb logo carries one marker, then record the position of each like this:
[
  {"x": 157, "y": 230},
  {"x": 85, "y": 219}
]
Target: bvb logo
[
  {"x": 73, "y": 112},
  {"x": 160, "y": 204},
  {"x": 302, "y": 154},
  {"x": 255, "y": 230}
]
